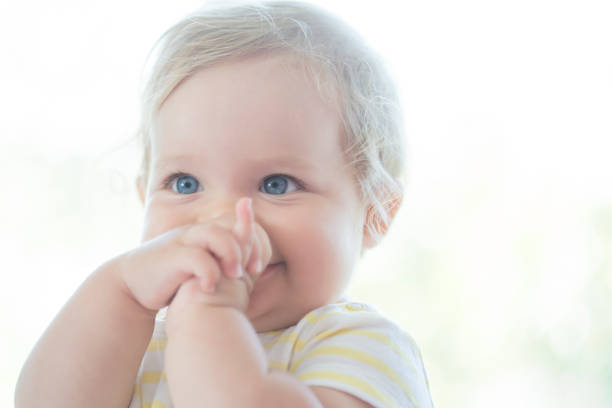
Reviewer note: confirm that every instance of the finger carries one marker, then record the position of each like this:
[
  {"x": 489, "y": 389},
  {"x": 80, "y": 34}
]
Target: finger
[
  {"x": 221, "y": 243},
  {"x": 186, "y": 263},
  {"x": 202, "y": 265},
  {"x": 244, "y": 226},
  {"x": 244, "y": 219},
  {"x": 265, "y": 246},
  {"x": 254, "y": 266}
]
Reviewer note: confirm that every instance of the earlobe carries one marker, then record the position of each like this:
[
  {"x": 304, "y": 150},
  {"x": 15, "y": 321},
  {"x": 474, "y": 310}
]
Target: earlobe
[{"x": 375, "y": 227}]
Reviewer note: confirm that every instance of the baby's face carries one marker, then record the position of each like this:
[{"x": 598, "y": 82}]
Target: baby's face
[{"x": 258, "y": 128}]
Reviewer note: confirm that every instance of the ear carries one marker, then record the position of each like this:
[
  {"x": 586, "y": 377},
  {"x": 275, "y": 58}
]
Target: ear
[
  {"x": 142, "y": 188},
  {"x": 373, "y": 221}
]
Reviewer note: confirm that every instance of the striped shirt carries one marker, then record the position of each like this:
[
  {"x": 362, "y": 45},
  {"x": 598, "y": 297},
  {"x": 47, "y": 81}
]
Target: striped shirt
[{"x": 346, "y": 345}]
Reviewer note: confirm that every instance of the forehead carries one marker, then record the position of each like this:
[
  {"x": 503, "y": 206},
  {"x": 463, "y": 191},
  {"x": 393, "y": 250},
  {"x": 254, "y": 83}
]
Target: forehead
[{"x": 267, "y": 106}]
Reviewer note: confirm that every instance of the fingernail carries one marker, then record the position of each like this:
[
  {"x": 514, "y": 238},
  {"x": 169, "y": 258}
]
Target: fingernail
[
  {"x": 237, "y": 271},
  {"x": 258, "y": 267},
  {"x": 248, "y": 206}
]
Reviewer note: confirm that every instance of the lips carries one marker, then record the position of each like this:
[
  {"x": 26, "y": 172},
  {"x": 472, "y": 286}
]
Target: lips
[{"x": 270, "y": 269}]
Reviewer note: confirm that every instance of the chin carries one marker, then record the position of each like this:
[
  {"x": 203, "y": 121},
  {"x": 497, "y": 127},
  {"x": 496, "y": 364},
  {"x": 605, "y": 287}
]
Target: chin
[
  {"x": 268, "y": 322},
  {"x": 271, "y": 319}
]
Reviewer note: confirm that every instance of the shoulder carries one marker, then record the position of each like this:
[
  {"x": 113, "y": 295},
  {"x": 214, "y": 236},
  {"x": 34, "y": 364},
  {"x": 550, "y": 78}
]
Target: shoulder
[
  {"x": 342, "y": 314},
  {"x": 351, "y": 347},
  {"x": 359, "y": 322},
  {"x": 347, "y": 312}
]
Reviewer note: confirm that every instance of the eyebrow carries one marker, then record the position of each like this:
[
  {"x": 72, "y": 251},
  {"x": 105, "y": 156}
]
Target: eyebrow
[
  {"x": 166, "y": 162},
  {"x": 283, "y": 161}
]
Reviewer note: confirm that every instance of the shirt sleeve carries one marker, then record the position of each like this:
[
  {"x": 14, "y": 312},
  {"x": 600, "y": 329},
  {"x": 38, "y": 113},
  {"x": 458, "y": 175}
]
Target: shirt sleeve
[{"x": 354, "y": 349}]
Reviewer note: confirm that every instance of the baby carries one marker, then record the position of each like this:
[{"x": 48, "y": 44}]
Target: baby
[{"x": 272, "y": 156}]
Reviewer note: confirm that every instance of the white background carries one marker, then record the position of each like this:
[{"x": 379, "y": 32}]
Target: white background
[{"x": 500, "y": 261}]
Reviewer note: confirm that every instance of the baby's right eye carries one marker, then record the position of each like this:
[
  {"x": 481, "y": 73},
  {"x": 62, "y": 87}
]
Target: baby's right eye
[{"x": 183, "y": 183}]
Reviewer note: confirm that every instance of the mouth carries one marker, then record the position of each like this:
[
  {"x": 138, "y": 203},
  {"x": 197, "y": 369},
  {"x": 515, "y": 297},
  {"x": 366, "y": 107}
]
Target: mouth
[{"x": 270, "y": 270}]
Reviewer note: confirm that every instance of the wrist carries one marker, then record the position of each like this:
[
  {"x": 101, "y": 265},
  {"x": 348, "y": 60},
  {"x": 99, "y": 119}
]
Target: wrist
[
  {"x": 190, "y": 299},
  {"x": 112, "y": 272}
]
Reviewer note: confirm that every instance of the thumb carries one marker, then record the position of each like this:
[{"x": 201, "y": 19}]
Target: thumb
[{"x": 245, "y": 225}]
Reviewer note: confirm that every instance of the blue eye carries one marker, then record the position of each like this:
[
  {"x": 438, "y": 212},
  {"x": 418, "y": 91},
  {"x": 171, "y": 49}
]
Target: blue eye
[
  {"x": 185, "y": 185},
  {"x": 279, "y": 184}
]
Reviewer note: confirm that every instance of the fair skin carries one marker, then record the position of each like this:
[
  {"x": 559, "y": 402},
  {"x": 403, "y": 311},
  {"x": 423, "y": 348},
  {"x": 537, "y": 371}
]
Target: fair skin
[{"x": 262, "y": 225}]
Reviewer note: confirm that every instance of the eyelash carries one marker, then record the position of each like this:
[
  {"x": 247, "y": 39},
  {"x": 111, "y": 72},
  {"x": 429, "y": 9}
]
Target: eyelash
[
  {"x": 167, "y": 182},
  {"x": 298, "y": 183}
]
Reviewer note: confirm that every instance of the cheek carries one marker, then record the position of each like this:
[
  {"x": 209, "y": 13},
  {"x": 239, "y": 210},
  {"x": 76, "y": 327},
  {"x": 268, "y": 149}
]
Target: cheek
[
  {"x": 322, "y": 244},
  {"x": 158, "y": 221}
]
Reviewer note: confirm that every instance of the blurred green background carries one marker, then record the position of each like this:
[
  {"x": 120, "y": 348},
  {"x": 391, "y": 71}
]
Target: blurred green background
[{"x": 500, "y": 261}]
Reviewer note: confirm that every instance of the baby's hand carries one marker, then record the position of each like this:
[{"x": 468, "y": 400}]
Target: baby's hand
[
  {"x": 208, "y": 255},
  {"x": 227, "y": 292}
]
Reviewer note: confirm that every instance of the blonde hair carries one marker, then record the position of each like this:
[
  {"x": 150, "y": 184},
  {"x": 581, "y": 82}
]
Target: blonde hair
[{"x": 329, "y": 49}]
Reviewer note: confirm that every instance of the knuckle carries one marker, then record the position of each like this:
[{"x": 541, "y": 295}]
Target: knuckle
[
  {"x": 188, "y": 234},
  {"x": 197, "y": 260},
  {"x": 227, "y": 248}
]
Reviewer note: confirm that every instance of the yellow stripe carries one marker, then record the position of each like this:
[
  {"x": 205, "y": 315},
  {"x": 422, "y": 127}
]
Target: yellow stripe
[
  {"x": 152, "y": 377},
  {"x": 154, "y": 404},
  {"x": 272, "y": 332},
  {"x": 287, "y": 338},
  {"x": 157, "y": 344},
  {"x": 348, "y": 380},
  {"x": 361, "y": 357},
  {"x": 313, "y": 317},
  {"x": 379, "y": 337}
]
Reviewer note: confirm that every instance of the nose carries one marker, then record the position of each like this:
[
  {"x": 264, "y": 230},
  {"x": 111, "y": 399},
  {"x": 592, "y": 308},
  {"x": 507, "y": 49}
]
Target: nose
[{"x": 215, "y": 208}]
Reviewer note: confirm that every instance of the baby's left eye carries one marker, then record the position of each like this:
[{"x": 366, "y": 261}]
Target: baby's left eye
[{"x": 279, "y": 184}]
